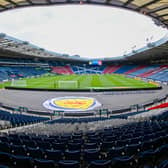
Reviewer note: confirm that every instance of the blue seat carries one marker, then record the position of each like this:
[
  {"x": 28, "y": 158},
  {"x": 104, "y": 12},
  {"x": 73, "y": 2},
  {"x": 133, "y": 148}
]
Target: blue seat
[
  {"x": 4, "y": 139},
  {"x": 94, "y": 140},
  {"x": 107, "y": 145},
  {"x": 116, "y": 152},
  {"x": 41, "y": 163},
  {"x": 135, "y": 140},
  {"x": 21, "y": 161},
  {"x": 157, "y": 142},
  {"x": 77, "y": 136},
  {"x": 5, "y": 158},
  {"x": 161, "y": 153},
  {"x": 81, "y": 141},
  {"x": 34, "y": 153},
  {"x": 68, "y": 164},
  {"x": 91, "y": 154},
  {"x": 147, "y": 145},
  {"x": 18, "y": 150},
  {"x": 73, "y": 155},
  {"x": 133, "y": 149},
  {"x": 147, "y": 158},
  {"x": 123, "y": 162},
  {"x": 90, "y": 145},
  {"x": 55, "y": 155},
  {"x": 15, "y": 141},
  {"x": 100, "y": 164},
  {"x": 29, "y": 143},
  {"x": 43, "y": 145},
  {"x": 121, "y": 143},
  {"x": 74, "y": 146},
  {"x": 23, "y": 137},
  {"x": 59, "y": 146},
  {"x": 163, "y": 164},
  {"x": 3, "y": 166},
  {"x": 5, "y": 147},
  {"x": 109, "y": 138},
  {"x": 20, "y": 119}
]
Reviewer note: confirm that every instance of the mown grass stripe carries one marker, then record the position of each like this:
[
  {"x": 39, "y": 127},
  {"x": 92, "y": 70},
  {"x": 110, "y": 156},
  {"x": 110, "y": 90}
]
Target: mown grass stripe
[{"x": 86, "y": 81}]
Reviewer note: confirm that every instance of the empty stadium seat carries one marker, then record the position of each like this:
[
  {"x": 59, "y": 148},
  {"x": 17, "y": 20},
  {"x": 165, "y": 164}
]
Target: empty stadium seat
[
  {"x": 68, "y": 164},
  {"x": 100, "y": 164}
]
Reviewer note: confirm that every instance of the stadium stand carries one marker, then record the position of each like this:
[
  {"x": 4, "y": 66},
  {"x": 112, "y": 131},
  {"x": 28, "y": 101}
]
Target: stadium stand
[
  {"x": 134, "y": 140},
  {"x": 15, "y": 72},
  {"x": 62, "y": 70},
  {"x": 130, "y": 144},
  {"x": 9, "y": 120},
  {"x": 152, "y": 72},
  {"x": 111, "y": 69},
  {"x": 22, "y": 61},
  {"x": 160, "y": 76},
  {"x": 148, "y": 70},
  {"x": 88, "y": 69},
  {"x": 125, "y": 138},
  {"x": 155, "y": 72},
  {"x": 135, "y": 69},
  {"x": 142, "y": 71},
  {"x": 125, "y": 68}
]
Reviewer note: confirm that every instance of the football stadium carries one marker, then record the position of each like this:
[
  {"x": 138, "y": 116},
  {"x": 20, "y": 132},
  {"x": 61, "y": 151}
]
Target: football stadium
[{"x": 62, "y": 110}]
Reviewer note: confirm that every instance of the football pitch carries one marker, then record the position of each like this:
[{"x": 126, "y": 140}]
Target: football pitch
[{"x": 81, "y": 82}]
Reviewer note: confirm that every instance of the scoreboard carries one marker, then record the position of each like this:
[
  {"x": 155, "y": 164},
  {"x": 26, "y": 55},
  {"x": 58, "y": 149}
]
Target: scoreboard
[{"x": 95, "y": 62}]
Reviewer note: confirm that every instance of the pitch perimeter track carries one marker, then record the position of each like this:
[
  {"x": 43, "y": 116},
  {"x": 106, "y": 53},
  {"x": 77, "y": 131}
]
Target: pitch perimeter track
[{"x": 112, "y": 100}]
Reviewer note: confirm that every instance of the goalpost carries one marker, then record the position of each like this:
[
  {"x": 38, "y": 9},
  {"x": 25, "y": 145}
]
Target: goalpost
[
  {"x": 66, "y": 84},
  {"x": 19, "y": 83}
]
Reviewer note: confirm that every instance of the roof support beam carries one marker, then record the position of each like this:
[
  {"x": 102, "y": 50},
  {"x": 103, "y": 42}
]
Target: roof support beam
[
  {"x": 10, "y": 1},
  {"x": 158, "y": 9},
  {"x": 30, "y": 2},
  {"x": 147, "y": 4},
  {"x": 2, "y": 6},
  {"x": 166, "y": 20},
  {"x": 162, "y": 15},
  {"x": 49, "y": 1},
  {"x": 128, "y": 2}
]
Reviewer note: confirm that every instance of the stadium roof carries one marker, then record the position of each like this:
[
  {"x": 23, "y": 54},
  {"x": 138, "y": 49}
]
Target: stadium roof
[
  {"x": 157, "y": 9},
  {"x": 10, "y": 46},
  {"x": 152, "y": 51}
]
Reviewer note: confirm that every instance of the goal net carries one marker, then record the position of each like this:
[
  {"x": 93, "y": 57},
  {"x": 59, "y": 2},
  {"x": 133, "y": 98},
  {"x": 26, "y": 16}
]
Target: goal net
[
  {"x": 19, "y": 83},
  {"x": 61, "y": 84}
]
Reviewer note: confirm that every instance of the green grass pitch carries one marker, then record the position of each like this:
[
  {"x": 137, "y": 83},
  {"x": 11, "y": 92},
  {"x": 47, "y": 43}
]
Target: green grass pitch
[{"x": 86, "y": 81}]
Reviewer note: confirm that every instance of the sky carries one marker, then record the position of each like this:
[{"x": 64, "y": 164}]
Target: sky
[{"x": 85, "y": 30}]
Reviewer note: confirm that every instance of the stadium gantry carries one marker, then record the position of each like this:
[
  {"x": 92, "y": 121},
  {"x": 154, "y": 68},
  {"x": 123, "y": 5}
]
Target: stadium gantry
[{"x": 98, "y": 118}]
